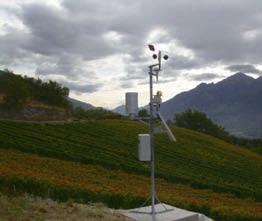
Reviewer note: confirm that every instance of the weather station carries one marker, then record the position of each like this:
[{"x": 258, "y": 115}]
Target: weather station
[{"x": 156, "y": 211}]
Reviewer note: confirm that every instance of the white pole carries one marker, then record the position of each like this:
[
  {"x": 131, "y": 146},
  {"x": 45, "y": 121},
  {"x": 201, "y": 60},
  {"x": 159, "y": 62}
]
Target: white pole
[{"x": 153, "y": 192}]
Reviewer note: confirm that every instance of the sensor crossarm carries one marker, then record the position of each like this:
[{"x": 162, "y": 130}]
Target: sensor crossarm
[{"x": 168, "y": 131}]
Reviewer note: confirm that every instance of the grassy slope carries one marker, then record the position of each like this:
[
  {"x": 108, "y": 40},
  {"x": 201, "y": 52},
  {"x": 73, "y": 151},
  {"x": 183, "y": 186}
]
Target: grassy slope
[{"x": 196, "y": 159}]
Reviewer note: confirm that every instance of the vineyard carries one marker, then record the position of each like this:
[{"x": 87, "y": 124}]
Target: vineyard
[{"x": 97, "y": 161}]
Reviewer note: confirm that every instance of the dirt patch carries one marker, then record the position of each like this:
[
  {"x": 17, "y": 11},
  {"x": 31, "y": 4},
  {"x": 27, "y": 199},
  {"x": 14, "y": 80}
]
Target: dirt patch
[{"x": 29, "y": 208}]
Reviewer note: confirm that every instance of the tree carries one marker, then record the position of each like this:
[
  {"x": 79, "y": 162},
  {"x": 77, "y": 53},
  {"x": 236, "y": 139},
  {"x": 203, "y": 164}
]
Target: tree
[
  {"x": 8, "y": 71},
  {"x": 199, "y": 121},
  {"x": 143, "y": 113},
  {"x": 17, "y": 90},
  {"x": 17, "y": 94}
]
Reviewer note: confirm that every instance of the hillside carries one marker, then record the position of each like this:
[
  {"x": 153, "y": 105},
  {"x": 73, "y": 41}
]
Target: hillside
[
  {"x": 27, "y": 98},
  {"x": 97, "y": 161},
  {"x": 233, "y": 103},
  {"x": 19, "y": 90}
]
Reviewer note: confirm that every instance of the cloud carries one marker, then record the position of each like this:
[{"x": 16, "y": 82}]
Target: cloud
[
  {"x": 67, "y": 65},
  {"x": 245, "y": 68},
  {"x": 127, "y": 84},
  {"x": 204, "y": 77},
  {"x": 79, "y": 87},
  {"x": 55, "y": 31},
  {"x": 11, "y": 45},
  {"x": 86, "y": 39},
  {"x": 82, "y": 88},
  {"x": 95, "y": 29},
  {"x": 212, "y": 29}
]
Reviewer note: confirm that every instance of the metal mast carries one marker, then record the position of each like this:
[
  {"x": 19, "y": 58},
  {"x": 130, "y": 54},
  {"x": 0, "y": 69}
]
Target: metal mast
[{"x": 153, "y": 68}]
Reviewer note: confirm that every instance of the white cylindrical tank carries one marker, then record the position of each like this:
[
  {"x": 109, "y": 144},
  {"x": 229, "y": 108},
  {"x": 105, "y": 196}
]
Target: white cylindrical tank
[
  {"x": 144, "y": 148},
  {"x": 132, "y": 103}
]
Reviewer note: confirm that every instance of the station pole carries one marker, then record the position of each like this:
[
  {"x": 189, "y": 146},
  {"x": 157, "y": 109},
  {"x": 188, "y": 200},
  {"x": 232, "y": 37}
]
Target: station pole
[{"x": 153, "y": 191}]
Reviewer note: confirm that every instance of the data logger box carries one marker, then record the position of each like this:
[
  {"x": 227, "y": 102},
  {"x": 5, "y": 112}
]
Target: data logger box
[{"x": 144, "y": 148}]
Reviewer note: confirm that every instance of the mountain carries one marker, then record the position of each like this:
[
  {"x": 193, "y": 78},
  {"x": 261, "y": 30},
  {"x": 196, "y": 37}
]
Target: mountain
[
  {"x": 77, "y": 103},
  {"x": 235, "y": 103},
  {"x": 120, "y": 109}
]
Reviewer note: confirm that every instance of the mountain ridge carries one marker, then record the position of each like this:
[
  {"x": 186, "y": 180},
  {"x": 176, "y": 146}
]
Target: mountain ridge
[
  {"x": 121, "y": 109},
  {"x": 231, "y": 103},
  {"x": 77, "y": 103}
]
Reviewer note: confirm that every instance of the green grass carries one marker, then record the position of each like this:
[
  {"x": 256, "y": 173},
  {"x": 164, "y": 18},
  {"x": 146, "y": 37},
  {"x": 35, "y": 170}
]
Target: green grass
[{"x": 196, "y": 159}]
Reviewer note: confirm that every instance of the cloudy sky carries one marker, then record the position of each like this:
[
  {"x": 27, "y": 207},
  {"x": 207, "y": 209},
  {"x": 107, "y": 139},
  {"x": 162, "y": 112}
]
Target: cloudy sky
[{"x": 98, "y": 48}]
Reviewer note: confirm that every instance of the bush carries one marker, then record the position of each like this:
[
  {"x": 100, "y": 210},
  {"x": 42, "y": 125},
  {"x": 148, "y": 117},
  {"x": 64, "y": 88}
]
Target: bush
[{"x": 96, "y": 114}]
